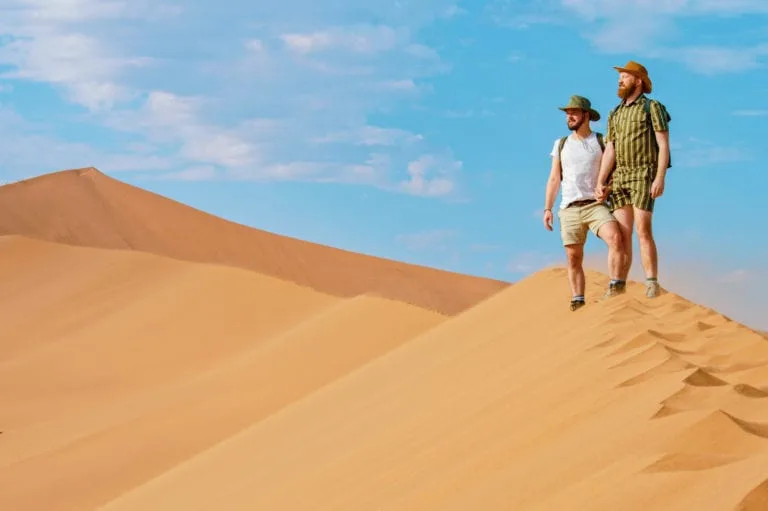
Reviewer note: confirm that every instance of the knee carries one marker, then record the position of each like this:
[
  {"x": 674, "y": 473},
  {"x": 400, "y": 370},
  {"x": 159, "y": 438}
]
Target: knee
[
  {"x": 614, "y": 239},
  {"x": 644, "y": 232},
  {"x": 575, "y": 259}
]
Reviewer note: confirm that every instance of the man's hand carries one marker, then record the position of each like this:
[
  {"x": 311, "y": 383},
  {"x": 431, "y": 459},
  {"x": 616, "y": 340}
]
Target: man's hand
[
  {"x": 548, "y": 219},
  {"x": 601, "y": 192},
  {"x": 657, "y": 187}
]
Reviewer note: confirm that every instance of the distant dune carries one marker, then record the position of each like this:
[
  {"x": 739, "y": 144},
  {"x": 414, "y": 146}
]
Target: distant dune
[
  {"x": 85, "y": 207},
  {"x": 134, "y": 381}
]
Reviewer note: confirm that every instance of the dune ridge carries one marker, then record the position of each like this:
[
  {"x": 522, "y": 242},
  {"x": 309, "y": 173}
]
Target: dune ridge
[{"x": 88, "y": 208}]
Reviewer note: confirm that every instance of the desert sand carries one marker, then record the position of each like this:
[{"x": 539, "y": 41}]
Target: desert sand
[{"x": 145, "y": 373}]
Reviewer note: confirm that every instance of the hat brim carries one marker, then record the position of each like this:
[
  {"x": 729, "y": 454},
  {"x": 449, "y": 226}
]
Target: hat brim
[
  {"x": 647, "y": 83},
  {"x": 594, "y": 115}
]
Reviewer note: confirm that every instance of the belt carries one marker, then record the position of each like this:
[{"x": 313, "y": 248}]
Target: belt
[{"x": 581, "y": 202}]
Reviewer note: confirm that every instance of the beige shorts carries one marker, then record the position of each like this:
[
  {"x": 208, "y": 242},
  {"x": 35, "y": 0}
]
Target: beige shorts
[{"x": 576, "y": 220}]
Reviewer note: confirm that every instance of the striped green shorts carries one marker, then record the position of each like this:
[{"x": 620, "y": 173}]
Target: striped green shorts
[{"x": 632, "y": 187}]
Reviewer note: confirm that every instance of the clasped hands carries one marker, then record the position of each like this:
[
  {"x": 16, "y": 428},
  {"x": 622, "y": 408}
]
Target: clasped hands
[{"x": 602, "y": 191}]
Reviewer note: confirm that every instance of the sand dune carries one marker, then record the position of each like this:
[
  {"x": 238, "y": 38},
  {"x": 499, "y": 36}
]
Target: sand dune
[
  {"x": 152, "y": 379},
  {"x": 493, "y": 410},
  {"x": 132, "y": 380},
  {"x": 85, "y": 207}
]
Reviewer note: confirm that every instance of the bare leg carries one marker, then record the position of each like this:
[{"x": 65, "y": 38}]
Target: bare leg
[
  {"x": 625, "y": 217},
  {"x": 575, "y": 254},
  {"x": 648, "y": 251},
  {"x": 610, "y": 233}
]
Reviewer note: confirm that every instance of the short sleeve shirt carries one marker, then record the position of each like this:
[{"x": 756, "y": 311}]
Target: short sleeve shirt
[{"x": 633, "y": 136}]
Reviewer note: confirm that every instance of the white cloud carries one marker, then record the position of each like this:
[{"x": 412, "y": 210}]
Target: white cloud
[
  {"x": 29, "y": 149},
  {"x": 79, "y": 63},
  {"x": 288, "y": 98},
  {"x": 431, "y": 176},
  {"x": 651, "y": 33},
  {"x": 200, "y": 173},
  {"x": 453, "y": 11},
  {"x": 594, "y": 9},
  {"x": 355, "y": 39},
  {"x": 167, "y": 118},
  {"x": 45, "y": 42},
  {"x": 710, "y": 60}
]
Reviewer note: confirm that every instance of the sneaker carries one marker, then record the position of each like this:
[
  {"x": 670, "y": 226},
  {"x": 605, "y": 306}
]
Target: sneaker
[
  {"x": 616, "y": 288},
  {"x": 652, "y": 289},
  {"x": 577, "y": 304}
]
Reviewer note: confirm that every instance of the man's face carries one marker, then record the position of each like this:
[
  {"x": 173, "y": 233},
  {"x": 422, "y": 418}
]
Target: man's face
[
  {"x": 628, "y": 83},
  {"x": 574, "y": 118}
]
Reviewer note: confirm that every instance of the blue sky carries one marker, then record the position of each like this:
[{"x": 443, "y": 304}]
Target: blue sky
[{"x": 414, "y": 130}]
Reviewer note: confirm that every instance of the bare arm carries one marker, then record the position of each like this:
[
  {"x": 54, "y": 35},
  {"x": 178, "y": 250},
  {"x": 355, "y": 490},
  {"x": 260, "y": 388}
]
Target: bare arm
[
  {"x": 662, "y": 138},
  {"x": 606, "y": 167},
  {"x": 553, "y": 184},
  {"x": 606, "y": 163}
]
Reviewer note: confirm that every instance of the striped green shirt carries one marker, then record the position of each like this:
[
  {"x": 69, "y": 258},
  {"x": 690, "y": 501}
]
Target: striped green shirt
[{"x": 633, "y": 139}]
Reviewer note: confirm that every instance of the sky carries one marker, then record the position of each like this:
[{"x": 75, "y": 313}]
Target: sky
[{"x": 412, "y": 130}]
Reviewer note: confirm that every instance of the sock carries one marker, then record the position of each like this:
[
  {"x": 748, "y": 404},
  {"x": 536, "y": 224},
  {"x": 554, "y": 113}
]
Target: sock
[
  {"x": 651, "y": 279},
  {"x": 617, "y": 281},
  {"x": 578, "y": 298}
]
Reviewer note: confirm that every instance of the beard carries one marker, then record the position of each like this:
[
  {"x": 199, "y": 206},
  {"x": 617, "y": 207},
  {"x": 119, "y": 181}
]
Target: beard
[
  {"x": 625, "y": 92},
  {"x": 576, "y": 125}
]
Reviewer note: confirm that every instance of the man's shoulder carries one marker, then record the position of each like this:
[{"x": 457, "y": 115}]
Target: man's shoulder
[
  {"x": 658, "y": 110},
  {"x": 653, "y": 99},
  {"x": 654, "y": 102}
]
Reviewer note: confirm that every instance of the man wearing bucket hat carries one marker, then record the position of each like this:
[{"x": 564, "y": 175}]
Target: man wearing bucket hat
[
  {"x": 575, "y": 165},
  {"x": 637, "y": 158}
]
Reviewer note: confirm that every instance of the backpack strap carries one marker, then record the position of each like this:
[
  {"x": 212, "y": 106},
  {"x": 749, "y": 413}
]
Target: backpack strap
[{"x": 560, "y": 146}]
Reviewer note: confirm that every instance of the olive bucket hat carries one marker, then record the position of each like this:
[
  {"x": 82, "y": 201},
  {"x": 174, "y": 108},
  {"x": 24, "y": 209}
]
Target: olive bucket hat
[{"x": 582, "y": 103}]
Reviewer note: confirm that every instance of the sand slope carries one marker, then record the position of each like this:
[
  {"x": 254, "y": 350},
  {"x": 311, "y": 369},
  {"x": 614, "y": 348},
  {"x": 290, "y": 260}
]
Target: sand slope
[
  {"x": 85, "y": 207},
  {"x": 118, "y": 365},
  {"x": 515, "y": 404}
]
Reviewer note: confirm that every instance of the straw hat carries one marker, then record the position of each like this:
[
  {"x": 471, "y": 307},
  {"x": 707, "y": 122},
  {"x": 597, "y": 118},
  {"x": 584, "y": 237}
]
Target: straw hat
[
  {"x": 582, "y": 103},
  {"x": 639, "y": 71}
]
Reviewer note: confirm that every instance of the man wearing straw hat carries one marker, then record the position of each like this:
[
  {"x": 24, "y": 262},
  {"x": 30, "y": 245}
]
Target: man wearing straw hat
[
  {"x": 637, "y": 144},
  {"x": 575, "y": 165}
]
